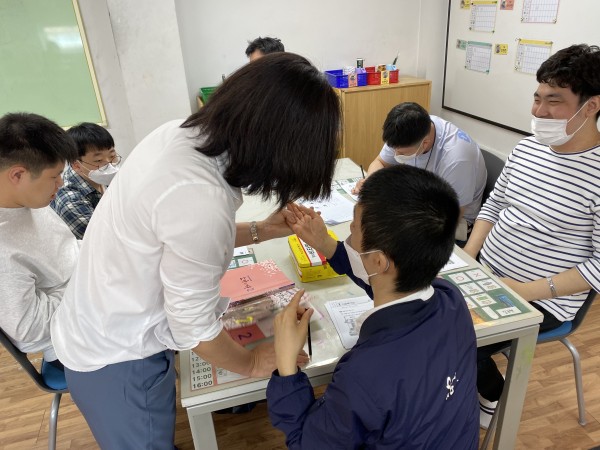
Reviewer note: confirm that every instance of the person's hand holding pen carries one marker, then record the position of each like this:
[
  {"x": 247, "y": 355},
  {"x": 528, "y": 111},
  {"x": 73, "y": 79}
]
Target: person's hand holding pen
[
  {"x": 291, "y": 330},
  {"x": 356, "y": 189}
]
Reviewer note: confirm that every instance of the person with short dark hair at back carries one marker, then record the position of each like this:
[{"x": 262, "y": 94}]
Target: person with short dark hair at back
[
  {"x": 148, "y": 278},
  {"x": 37, "y": 250},
  {"x": 412, "y": 136},
  {"x": 262, "y": 46},
  {"x": 409, "y": 382},
  {"x": 539, "y": 230},
  {"x": 86, "y": 179}
]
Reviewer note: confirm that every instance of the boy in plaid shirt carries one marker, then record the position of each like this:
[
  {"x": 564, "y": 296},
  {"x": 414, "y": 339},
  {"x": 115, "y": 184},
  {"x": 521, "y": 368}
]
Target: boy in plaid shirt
[{"x": 87, "y": 177}]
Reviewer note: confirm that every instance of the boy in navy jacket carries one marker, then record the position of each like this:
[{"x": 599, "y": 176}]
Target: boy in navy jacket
[{"x": 410, "y": 380}]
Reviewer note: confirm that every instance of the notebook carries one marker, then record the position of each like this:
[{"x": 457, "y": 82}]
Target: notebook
[{"x": 248, "y": 282}]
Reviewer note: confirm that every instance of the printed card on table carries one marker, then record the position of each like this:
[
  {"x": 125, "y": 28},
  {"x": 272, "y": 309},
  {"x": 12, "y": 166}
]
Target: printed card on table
[
  {"x": 459, "y": 278},
  {"x": 476, "y": 274},
  {"x": 483, "y": 299},
  {"x": 470, "y": 303},
  {"x": 488, "y": 284},
  {"x": 486, "y": 299},
  {"x": 470, "y": 288},
  {"x": 490, "y": 312},
  {"x": 508, "y": 311},
  {"x": 242, "y": 256}
]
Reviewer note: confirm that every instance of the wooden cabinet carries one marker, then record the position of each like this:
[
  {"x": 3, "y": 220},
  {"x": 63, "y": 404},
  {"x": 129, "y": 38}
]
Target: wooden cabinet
[{"x": 364, "y": 110}]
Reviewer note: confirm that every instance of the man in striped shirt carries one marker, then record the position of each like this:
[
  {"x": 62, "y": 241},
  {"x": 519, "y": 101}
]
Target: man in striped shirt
[{"x": 540, "y": 228}]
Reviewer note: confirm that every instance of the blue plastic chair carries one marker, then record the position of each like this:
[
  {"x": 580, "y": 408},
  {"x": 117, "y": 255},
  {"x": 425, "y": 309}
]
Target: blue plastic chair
[
  {"x": 50, "y": 380},
  {"x": 560, "y": 334}
]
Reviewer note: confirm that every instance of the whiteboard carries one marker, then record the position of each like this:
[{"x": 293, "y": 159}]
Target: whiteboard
[
  {"x": 503, "y": 96},
  {"x": 45, "y": 67}
]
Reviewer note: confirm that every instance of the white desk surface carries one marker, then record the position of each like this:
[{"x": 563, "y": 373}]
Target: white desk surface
[{"x": 326, "y": 345}]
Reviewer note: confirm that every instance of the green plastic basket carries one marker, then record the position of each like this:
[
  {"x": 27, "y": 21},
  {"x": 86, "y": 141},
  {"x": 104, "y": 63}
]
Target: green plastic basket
[{"x": 206, "y": 92}]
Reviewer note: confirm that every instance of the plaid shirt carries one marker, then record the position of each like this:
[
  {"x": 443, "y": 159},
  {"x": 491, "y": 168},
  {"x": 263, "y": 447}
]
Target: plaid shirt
[{"x": 75, "y": 202}]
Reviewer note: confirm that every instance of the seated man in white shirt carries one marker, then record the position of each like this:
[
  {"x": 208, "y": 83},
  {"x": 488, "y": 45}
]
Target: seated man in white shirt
[
  {"x": 37, "y": 250},
  {"x": 414, "y": 137}
]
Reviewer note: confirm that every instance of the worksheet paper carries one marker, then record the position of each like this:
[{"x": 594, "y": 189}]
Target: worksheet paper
[
  {"x": 347, "y": 186},
  {"x": 454, "y": 263},
  {"x": 344, "y": 313},
  {"x": 334, "y": 210}
]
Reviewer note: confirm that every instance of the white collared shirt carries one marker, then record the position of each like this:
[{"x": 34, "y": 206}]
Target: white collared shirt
[
  {"x": 152, "y": 257},
  {"x": 423, "y": 294}
]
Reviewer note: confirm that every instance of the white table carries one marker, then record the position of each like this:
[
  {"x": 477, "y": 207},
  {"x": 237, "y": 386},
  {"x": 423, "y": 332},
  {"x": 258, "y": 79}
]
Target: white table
[{"x": 522, "y": 330}]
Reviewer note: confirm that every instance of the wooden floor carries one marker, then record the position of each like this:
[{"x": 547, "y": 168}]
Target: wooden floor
[{"x": 549, "y": 418}]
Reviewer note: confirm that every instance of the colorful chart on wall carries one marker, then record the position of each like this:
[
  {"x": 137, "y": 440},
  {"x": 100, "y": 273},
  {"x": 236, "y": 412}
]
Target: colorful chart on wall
[{"x": 494, "y": 49}]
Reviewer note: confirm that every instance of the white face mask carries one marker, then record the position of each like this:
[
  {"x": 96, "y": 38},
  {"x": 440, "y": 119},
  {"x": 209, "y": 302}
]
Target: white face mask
[
  {"x": 104, "y": 174},
  {"x": 553, "y": 131},
  {"x": 356, "y": 263},
  {"x": 403, "y": 159}
]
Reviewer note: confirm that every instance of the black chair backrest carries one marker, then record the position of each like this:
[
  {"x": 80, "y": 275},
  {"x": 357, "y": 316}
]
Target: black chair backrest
[
  {"x": 25, "y": 363},
  {"x": 583, "y": 310},
  {"x": 494, "y": 166}
]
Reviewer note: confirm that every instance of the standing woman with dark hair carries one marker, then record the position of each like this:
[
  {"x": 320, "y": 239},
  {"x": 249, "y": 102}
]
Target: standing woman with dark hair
[{"x": 147, "y": 281}]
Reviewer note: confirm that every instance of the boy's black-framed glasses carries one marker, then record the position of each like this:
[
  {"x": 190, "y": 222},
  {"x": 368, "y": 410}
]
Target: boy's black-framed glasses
[{"x": 114, "y": 162}]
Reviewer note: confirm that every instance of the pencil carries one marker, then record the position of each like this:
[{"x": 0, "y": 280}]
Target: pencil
[
  {"x": 309, "y": 342},
  {"x": 362, "y": 170}
]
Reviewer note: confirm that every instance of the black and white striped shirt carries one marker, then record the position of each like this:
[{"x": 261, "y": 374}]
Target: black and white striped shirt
[{"x": 545, "y": 208}]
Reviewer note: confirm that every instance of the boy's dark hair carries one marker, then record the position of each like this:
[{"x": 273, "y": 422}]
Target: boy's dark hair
[
  {"x": 575, "y": 67},
  {"x": 89, "y": 136},
  {"x": 406, "y": 125},
  {"x": 34, "y": 142},
  {"x": 278, "y": 120},
  {"x": 409, "y": 214},
  {"x": 265, "y": 44}
]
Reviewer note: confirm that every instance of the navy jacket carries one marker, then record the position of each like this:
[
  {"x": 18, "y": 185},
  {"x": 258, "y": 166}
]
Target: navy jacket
[{"x": 408, "y": 383}]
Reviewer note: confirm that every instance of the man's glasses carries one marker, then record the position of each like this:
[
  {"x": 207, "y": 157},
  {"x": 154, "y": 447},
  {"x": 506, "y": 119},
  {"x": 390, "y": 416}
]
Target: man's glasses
[{"x": 114, "y": 162}]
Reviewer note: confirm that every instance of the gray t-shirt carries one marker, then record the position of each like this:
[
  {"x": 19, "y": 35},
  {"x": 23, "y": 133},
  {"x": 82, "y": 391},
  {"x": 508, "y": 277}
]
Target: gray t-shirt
[
  {"x": 38, "y": 253},
  {"x": 457, "y": 159}
]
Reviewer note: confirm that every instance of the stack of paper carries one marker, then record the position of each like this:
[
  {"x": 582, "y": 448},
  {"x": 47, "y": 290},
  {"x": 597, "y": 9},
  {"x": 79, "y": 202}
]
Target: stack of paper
[{"x": 335, "y": 209}]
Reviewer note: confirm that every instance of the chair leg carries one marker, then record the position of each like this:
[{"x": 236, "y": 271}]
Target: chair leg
[
  {"x": 53, "y": 423},
  {"x": 490, "y": 431},
  {"x": 578, "y": 379}
]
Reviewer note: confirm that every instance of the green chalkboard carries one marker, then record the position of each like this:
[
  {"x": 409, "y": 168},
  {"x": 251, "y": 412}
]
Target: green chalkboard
[{"x": 45, "y": 66}]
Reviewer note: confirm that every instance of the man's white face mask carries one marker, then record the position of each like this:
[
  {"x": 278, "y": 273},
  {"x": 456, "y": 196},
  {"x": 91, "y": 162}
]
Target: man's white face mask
[
  {"x": 356, "y": 262},
  {"x": 554, "y": 131},
  {"x": 403, "y": 159},
  {"x": 104, "y": 174}
]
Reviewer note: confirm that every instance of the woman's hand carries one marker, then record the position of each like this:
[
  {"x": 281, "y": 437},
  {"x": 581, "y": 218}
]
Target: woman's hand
[
  {"x": 274, "y": 226},
  {"x": 310, "y": 227}
]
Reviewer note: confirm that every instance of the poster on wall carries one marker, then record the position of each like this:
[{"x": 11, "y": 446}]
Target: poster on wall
[
  {"x": 483, "y": 16},
  {"x": 540, "y": 11},
  {"x": 531, "y": 54},
  {"x": 479, "y": 55}
]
